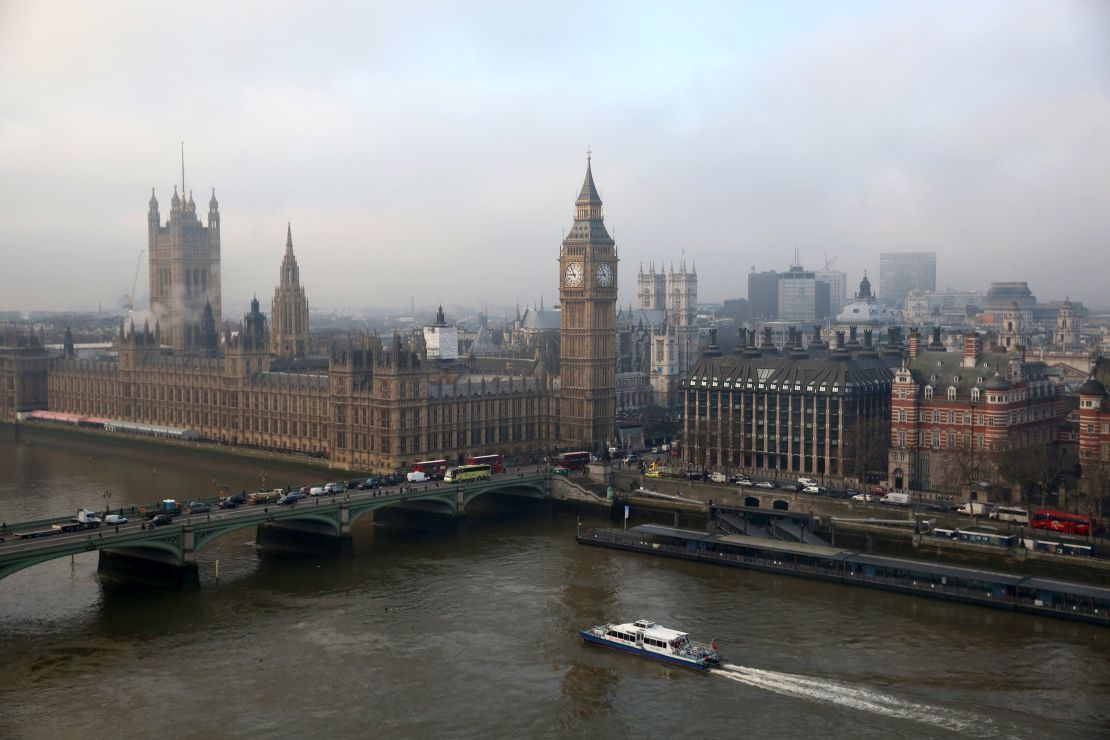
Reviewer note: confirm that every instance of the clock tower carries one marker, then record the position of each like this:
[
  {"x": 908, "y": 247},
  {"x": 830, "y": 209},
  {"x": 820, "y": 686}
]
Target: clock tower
[{"x": 588, "y": 332}]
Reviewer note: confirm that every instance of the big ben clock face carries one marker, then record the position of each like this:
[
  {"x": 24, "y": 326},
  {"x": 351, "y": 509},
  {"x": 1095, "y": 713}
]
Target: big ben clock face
[
  {"x": 572, "y": 277},
  {"x": 604, "y": 275}
]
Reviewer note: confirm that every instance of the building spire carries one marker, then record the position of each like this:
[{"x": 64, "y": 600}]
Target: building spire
[
  {"x": 589, "y": 194},
  {"x": 289, "y": 237}
]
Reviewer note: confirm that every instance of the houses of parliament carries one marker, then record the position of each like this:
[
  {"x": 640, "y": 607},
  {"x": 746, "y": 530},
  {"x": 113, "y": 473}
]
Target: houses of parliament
[{"x": 380, "y": 403}]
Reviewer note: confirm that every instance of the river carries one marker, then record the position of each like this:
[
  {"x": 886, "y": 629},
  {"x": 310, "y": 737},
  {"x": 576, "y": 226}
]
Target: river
[{"x": 428, "y": 629}]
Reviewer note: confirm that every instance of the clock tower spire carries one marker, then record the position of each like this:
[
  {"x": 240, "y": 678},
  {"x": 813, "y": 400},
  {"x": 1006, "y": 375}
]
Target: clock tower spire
[{"x": 588, "y": 332}]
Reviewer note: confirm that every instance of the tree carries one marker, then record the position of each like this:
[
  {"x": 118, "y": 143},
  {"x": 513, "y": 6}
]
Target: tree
[
  {"x": 866, "y": 446},
  {"x": 1093, "y": 494},
  {"x": 1035, "y": 469},
  {"x": 964, "y": 466}
]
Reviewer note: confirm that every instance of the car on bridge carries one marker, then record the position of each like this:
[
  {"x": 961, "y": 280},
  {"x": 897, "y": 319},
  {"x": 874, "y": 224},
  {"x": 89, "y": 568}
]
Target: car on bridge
[
  {"x": 233, "y": 501},
  {"x": 765, "y": 484},
  {"x": 159, "y": 520},
  {"x": 290, "y": 498},
  {"x": 334, "y": 488},
  {"x": 199, "y": 507},
  {"x": 369, "y": 483},
  {"x": 115, "y": 519}
]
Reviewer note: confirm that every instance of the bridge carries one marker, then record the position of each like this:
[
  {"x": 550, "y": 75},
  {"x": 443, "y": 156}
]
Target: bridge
[{"x": 170, "y": 550}]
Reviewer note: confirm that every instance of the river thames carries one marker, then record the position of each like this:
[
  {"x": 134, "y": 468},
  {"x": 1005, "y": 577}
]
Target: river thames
[{"x": 428, "y": 629}]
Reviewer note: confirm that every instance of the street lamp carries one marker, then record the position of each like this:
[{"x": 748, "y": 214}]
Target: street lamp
[{"x": 107, "y": 498}]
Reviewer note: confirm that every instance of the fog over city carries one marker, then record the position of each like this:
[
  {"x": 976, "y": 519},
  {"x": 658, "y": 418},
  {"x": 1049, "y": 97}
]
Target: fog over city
[{"x": 434, "y": 150}]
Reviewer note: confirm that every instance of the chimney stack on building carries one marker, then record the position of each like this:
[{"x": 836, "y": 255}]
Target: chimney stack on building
[
  {"x": 972, "y": 347},
  {"x": 915, "y": 343},
  {"x": 936, "y": 345}
]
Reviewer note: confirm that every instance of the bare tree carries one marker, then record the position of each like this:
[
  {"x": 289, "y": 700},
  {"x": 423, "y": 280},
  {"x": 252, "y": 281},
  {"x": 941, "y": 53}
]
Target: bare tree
[
  {"x": 1093, "y": 494},
  {"x": 1035, "y": 470},
  {"x": 866, "y": 446},
  {"x": 965, "y": 465}
]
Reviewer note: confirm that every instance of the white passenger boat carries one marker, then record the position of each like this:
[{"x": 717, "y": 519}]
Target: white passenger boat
[{"x": 646, "y": 638}]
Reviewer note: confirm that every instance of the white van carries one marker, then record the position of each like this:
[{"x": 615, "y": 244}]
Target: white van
[
  {"x": 807, "y": 482},
  {"x": 417, "y": 476},
  {"x": 976, "y": 508},
  {"x": 718, "y": 478},
  {"x": 897, "y": 499},
  {"x": 115, "y": 519},
  {"x": 317, "y": 491},
  {"x": 1008, "y": 514}
]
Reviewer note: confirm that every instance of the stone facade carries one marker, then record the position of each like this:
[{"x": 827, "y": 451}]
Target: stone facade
[
  {"x": 23, "y": 372},
  {"x": 588, "y": 334},
  {"x": 374, "y": 407},
  {"x": 184, "y": 258},
  {"x": 289, "y": 310}
]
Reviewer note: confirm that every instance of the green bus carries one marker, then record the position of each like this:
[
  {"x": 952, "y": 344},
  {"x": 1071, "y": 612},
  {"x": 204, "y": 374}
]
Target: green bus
[{"x": 463, "y": 473}]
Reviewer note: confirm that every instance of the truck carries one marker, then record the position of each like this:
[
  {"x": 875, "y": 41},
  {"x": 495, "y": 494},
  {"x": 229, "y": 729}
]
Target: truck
[
  {"x": 85, "y": 519},
  {"x": 896, "y": 499},
  {"x": 264, "y": 497},
  {"x": 165, "y": 506},
  {"x": 976, "y": 508}
]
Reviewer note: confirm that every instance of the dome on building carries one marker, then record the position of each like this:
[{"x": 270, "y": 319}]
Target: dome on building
[
  {"x": 865, "y": 310},
  {"x": 996, "y": 383},
  {"x": 1092, "y": 388}
]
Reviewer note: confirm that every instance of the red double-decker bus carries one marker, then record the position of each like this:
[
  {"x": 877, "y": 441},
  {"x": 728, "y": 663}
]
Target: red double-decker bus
[
  {"x": 434, "y": 469},
  {"x": 1061, "y": 521},
  {"x": 573, "y": 460},
  {"x": 496, "y": 462}
]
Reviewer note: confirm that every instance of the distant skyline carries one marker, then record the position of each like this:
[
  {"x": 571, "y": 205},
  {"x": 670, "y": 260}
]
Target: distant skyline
[{"x": 434, "y": 150}]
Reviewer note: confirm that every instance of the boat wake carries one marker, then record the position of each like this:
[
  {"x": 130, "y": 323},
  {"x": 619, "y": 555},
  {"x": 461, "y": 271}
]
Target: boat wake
[{"x": 857, "y": 697}]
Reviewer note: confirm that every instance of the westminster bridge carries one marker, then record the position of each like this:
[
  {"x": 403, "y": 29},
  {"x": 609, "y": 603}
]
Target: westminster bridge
[{"x": 167, "y": 554}]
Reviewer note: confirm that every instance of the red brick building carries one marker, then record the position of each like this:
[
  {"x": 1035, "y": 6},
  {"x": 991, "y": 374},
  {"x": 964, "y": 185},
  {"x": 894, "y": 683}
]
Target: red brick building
[
  {"x": 955, "y": 416},
  {"x": 1094, "y": 417}
]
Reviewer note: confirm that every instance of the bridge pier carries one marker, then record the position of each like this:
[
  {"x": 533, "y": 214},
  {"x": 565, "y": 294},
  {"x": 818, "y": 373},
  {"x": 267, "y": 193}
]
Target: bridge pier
[{"x": 136, "y": 568}]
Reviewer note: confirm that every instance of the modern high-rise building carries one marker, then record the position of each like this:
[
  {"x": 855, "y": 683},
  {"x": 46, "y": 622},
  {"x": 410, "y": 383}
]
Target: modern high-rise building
[
  {"x": 837, "y": 281},
  {"x": 588, "y": 336},
  {"x": 901, "y": 272},
  {"x": 184, "y": 257},
  {"x": 797, "y": 295},
  {"x": 763, "y": 294},
  {"x": 289, "y": 315}
]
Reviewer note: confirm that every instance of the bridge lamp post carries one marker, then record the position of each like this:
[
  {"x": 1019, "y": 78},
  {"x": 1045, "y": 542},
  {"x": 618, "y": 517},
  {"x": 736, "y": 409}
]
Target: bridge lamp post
[{"x": 107, "y": 498}]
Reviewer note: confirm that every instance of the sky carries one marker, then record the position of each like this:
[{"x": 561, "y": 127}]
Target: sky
[{"x": 433, "y": 151}]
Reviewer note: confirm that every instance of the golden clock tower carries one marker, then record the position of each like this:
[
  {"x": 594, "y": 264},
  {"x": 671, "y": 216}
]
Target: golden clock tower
[{"x": 588, "y": 335}]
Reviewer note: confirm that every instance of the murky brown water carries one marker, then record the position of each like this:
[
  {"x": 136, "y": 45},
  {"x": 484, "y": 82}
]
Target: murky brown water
[{"x": 429, "y": 630}]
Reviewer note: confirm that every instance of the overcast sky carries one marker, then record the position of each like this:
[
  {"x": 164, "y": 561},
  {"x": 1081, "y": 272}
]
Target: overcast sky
[{"x": 434, "y": 150}]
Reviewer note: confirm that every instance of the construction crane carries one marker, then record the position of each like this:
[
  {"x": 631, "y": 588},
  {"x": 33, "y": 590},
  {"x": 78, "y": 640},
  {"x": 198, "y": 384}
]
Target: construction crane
[
  {"x": 134, "y": 281},
  {"x": 829, "y": 262}
]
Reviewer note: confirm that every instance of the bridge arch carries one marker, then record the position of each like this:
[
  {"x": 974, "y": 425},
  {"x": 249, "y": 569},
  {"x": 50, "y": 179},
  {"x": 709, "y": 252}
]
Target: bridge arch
[
  {"x": 781, "y": 505},
  {"x": 12, "y": 565},
  {"x": 442, "y": 497},
  {"x": 202, "y": 538},
  {"x": 752, "y": 501},
  {"x": 528, "y": 489}
]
